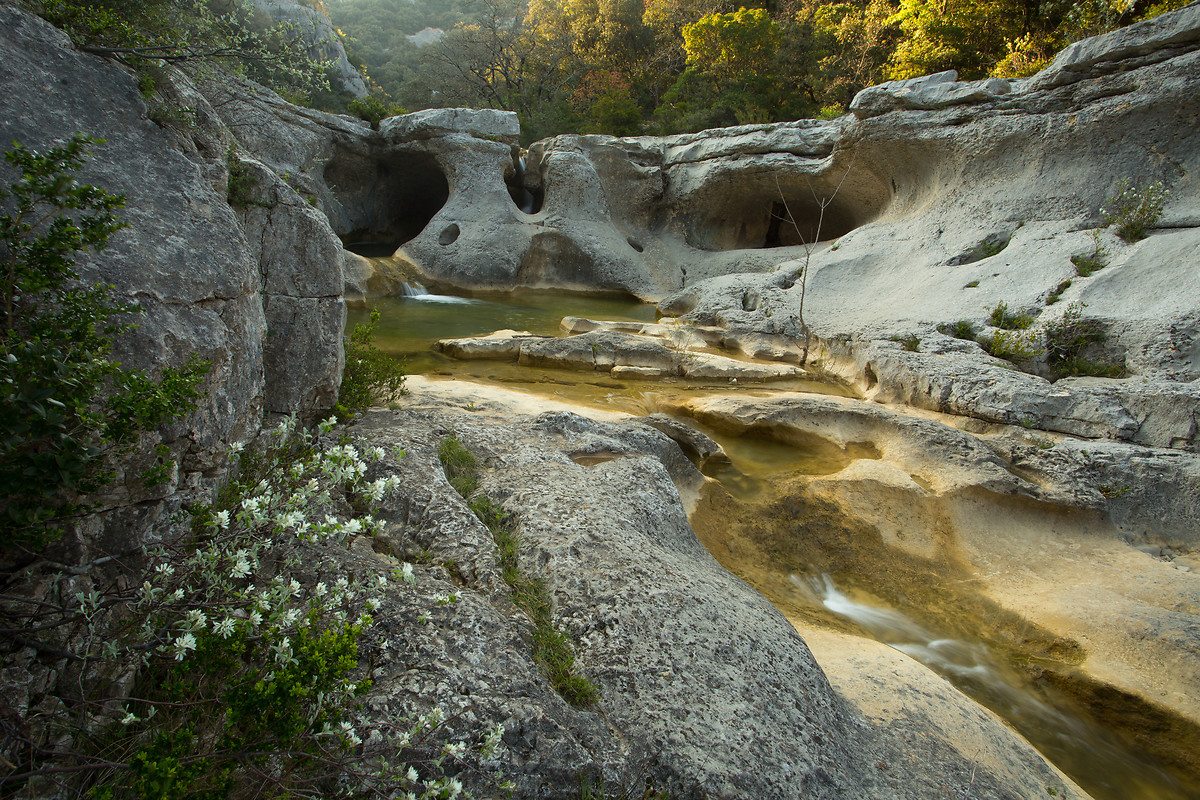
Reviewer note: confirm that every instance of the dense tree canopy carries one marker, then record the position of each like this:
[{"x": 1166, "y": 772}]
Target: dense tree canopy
[{"x": 660, "y": 66}]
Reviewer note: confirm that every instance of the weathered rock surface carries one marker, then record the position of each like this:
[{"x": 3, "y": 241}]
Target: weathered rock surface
[
  {"x": 612, "y": 350},
  {"x": 1027, "y": 517},
  {"x": 684, "y": 704}
]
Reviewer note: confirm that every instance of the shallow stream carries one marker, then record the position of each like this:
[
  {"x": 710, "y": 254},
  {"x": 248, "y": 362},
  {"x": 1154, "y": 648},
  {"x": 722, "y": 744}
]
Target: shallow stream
[{"x": 800, "y": 579}]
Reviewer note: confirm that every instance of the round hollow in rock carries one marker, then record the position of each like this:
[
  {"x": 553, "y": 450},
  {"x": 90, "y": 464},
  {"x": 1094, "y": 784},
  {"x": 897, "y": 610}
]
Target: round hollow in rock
[
  {"x": 449, "y": 234},
  {"x": 385, "y": 199}
]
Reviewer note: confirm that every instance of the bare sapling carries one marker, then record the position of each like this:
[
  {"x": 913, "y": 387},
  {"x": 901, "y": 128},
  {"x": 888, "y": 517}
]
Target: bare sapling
[{"x": 808, "y": 243}]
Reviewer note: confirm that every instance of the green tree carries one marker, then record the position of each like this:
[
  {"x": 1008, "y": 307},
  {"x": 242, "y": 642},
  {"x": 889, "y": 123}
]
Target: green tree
[
  {"x": 66, "y": 407},
  {"x": 852, "y": 42},
  {"x": 227, "y": 33},
  {"x": 739, "y": 46}
]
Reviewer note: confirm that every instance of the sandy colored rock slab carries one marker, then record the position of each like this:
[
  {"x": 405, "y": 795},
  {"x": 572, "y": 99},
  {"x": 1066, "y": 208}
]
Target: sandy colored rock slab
[{"x": 500, "y": 345}]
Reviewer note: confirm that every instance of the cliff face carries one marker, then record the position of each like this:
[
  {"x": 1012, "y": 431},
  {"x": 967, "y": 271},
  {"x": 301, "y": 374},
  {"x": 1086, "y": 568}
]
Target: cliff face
[{"x": 255, "y": 290}]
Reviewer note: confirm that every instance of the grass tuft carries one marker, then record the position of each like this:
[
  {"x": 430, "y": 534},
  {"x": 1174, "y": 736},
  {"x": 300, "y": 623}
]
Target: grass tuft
[
  {"x": 552, "y": 648},
  {"x": 1001, "y": 317}
]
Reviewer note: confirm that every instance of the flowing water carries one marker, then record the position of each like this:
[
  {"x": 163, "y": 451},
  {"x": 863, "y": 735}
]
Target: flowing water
[{"x": 1106, "y": 765}]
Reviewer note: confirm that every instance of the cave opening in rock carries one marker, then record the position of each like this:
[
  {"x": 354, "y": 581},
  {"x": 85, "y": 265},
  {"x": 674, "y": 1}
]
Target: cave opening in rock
[
  {"x": 387, "y": 200},
  {"x": 739, "y": 212}
]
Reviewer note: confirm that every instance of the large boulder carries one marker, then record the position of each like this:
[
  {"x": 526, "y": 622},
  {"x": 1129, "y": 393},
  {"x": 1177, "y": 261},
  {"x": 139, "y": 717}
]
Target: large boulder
[{"x": 705, "y": 688}]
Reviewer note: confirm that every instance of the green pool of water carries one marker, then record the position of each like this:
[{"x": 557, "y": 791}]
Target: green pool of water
[{"x": 410, "y": 326}]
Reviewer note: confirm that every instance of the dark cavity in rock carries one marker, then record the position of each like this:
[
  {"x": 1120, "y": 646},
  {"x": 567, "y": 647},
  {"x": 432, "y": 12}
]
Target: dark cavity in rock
[{"x": 386, "y": 199}]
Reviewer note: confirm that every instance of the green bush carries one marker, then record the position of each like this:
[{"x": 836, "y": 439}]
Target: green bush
[
  {"x": 371, "y": 375},
  {"x": 247, "y": 646},
  {"x": 1001, "y": 317},
  {"x": 67, "y": 409},
  {"x": 1013, "y": 345},
  {"x": 374, "y": 108},
  {"x": 1134, "y": 209},
  {"x": 239, "y": 187},
  {"x": 1087, "y": 263},
  {"x": 963, "y": 329},
  {"x": 1057, "y": 293},
  {"x": 1068, "y": 338}
]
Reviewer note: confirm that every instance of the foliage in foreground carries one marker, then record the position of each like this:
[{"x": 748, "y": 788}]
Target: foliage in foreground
[
  {"x": 252, "y": 646},
  {"x": 371, "y": 375},
  {"x": 67, "y": 409},
  {"x": 1067, "y": 341},
  {"x": 552, "y": 648}
]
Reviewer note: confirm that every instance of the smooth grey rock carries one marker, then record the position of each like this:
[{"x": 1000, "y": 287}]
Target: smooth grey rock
[
  {"x": 482, "y": 123},
  {"x": 609, "y": 349}
]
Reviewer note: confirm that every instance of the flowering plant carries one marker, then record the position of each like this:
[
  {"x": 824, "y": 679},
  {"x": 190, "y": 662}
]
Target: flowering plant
[{"x": 248, "y": 648}]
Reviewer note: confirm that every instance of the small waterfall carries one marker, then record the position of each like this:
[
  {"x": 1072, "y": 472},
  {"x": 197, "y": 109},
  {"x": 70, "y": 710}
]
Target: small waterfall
[
  {"x": 526, "y": 200},
  {"x": 415, "y": 291}
]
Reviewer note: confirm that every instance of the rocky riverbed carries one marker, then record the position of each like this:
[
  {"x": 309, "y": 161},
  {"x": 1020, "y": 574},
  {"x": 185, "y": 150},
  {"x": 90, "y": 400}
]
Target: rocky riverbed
[{"x": 1047, "y": 518}]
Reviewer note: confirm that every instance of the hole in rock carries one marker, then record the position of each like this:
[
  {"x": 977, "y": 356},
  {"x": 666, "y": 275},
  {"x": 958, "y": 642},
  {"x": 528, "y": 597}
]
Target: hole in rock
[
  {"x": 529, "y": 200},
  {"x": 385, "y": 200},
  {"x": 449, "y": 235},
  {"x": 992, "y": 245},
  {"x": 635, "y": 245}
]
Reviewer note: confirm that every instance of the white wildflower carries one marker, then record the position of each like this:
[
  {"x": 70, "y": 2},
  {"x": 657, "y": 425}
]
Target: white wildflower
[
  {"x": 165, "y": 569},
  {"x": 283, "y": 650},
  {"x": 320, "y": 590},
  {"x": 196, "y": 620},
  {"x": 406, "y": 573},
  {"x": 224, "y": 628},
  {"x": 350, "y": 734},
  {"x": 376, "y": 453},
  {"x": 455, "y": 749},
  {"x": 374, "y": 604},
  {"x": 292, "y": 519},
  {"x": 256, "y": 619},
  {"x": 412, "y": 775},
  {"x": 130, "y": 718},
  {"x": 183, "y": 644},
  {"x": 221, "y": 519},
  {"x": 241, "y": 565}
]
